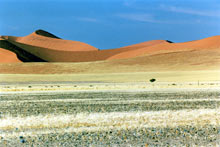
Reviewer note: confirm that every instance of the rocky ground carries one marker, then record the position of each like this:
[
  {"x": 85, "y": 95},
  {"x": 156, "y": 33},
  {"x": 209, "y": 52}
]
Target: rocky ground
[{"x": 110, "y": 119}]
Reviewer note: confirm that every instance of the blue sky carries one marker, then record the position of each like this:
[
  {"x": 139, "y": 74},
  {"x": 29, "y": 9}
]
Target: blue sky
[{"x": 112, "y": 23}]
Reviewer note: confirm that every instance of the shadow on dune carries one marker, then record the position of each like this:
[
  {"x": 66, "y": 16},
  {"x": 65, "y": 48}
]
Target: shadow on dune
[
  {"x": 22, "y": 55},
  {"x": 169, "y": 41},
  {"x": 46, "y": 34}
]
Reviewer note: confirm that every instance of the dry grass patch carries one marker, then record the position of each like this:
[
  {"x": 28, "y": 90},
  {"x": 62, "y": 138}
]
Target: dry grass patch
[{"x": 115, "y": 120}]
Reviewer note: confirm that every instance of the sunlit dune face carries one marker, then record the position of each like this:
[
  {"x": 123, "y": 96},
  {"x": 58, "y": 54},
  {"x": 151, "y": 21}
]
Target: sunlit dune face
[{"x": 8, "y": 56}]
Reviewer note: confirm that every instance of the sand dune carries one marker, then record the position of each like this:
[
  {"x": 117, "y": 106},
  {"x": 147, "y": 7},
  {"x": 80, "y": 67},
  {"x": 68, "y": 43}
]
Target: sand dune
[
  {"x": 52, "y": 43},
  {"x": 42, "y": 46},
  {"x": 22, "y": 55},
  {"x": 8, "y": 56},
  {"x": 208, "y": 44},
  {"x": 50, "y": 48}
]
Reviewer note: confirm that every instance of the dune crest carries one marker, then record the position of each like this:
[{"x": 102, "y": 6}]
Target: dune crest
[{"x": 52, "y": 43}]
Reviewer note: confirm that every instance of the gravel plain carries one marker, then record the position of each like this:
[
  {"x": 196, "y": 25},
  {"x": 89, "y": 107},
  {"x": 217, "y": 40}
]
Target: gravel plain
[{"x": 110, "y": 119}]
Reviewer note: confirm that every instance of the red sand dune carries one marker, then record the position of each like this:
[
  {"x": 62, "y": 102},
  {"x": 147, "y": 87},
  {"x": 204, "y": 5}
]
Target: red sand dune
[
  {"x": 43, "y": 46},
  {"x": 8, "y": 56},
  {"x": 38, "y": 40},
  {"x": 165, "y": 47}
]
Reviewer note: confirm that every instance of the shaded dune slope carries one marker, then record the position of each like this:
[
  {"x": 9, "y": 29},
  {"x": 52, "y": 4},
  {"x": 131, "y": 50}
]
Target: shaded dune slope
[
  {"x": 46, "y": 34},
  {"x": 42, "y": 46},
  {"x": 20, "y": 54}
]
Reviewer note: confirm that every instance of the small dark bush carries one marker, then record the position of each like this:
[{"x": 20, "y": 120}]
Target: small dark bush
[{"x": 152, "y": 80}]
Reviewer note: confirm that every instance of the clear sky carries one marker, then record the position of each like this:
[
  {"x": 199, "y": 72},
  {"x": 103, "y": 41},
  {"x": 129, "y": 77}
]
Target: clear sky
[{"x": 112, "y": 23}]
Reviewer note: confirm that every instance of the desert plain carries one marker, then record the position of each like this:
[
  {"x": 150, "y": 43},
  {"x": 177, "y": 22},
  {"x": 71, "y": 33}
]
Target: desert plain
[{"x": 57, "y": 92}]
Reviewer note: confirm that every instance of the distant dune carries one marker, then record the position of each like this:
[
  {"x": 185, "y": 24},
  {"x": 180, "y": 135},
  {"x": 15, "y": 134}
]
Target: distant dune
[{"x": 42, "y": 46}]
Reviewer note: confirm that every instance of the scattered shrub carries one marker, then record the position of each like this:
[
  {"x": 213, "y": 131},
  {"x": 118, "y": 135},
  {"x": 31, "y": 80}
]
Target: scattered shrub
[{"x": 152, "y": 80}]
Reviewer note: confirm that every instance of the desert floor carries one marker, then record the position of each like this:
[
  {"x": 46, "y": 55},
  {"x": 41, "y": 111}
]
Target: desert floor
[{"x": 109, "y": 113}]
